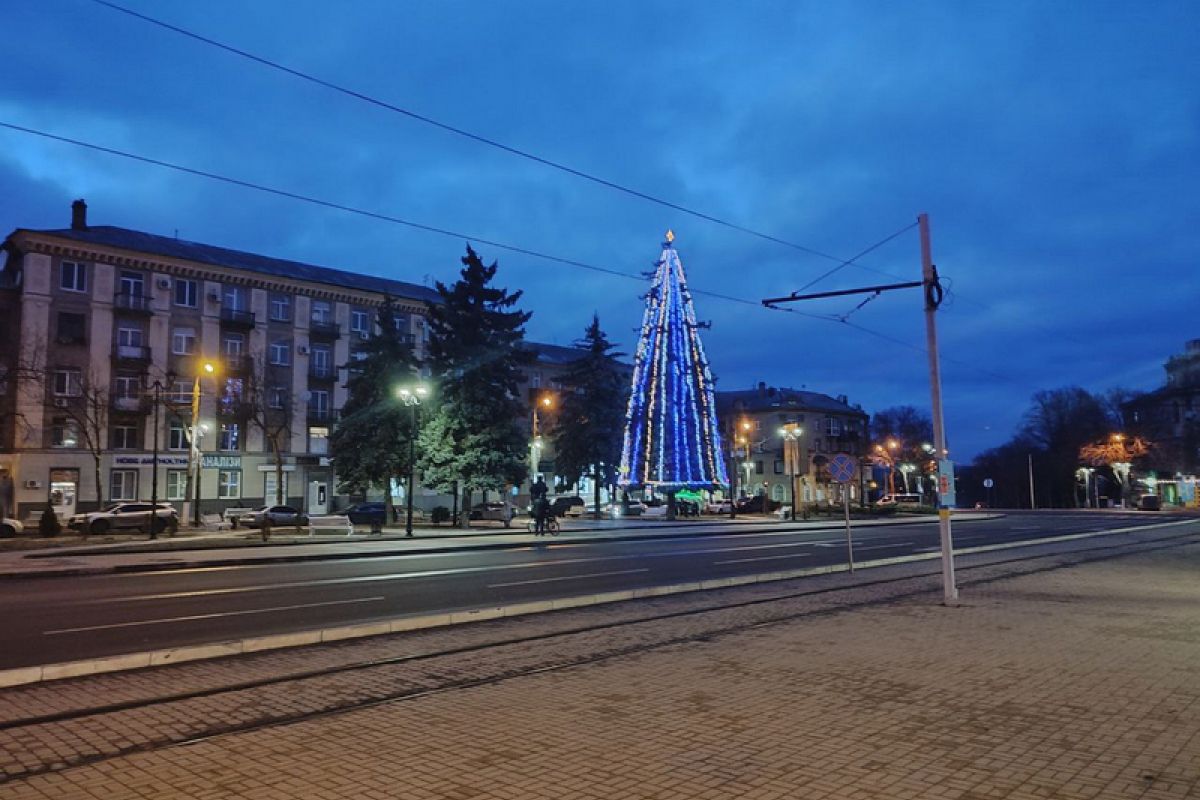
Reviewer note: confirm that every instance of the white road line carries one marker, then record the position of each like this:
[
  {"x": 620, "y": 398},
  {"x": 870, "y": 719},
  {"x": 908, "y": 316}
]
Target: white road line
[
  {"x": 881, "y": 546},
  {"x": 566, "y": 578},
  {"x": 763, "y": 558},
  {"x": 191, "y": 617}
]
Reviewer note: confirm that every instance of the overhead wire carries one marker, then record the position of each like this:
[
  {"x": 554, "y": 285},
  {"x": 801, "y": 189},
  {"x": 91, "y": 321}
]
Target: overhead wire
[{"x": 479, "y": 138}]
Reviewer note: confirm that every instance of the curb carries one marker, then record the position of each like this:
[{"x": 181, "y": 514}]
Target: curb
[
  {"x": 183, "y": 563},
  {"x": 21, "y": 676}
]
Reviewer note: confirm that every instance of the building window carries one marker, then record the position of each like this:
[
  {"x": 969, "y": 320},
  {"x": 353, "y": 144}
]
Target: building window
[
  {"x": 833, "y": 426},
  {"x": 124, "y": 437},
  {"x": 234, "y": 298},
  {"x": 74, "y": 276},
  {"x": 758, "y": 468},
  {"x": 71, "y": 328},
  {"x": 280, "y": 352},
  {"x": 186, "y": 293},
  {"x": 322, "y": 311},
  {"x": 132, "y": 284},
  {"x": 129, "y": 337},
  {"x": 318, "y": 404},
  {"x": 360, "y": 323},
  {"x": 778, "y": 467},
  {"x": 126, "y": 387},
  {"x": 68, "y": 382},
  {"x": 183, "y": 341},
  {"x": 269, "y": 487},
  {"x": 231, "y": 395},
  {"x": 277, "y": 397},
  {"x": 122, "y": 484},
  {"x": 177, "y": 436},
  {"x": 230, "y": 437},
  {"x": 176, "y": 484},
  {"x": 64, "y": 432},
  {"x": 233, "y": 344},
  {"x": 535, "y": 380},
  {"x": 229, "y": 484},
  {"x": 281, "y": 308},
  {"x": 318, "y": 441},
  {"x": 180, "y": 392},
  {"x": 320, "y": 362}
]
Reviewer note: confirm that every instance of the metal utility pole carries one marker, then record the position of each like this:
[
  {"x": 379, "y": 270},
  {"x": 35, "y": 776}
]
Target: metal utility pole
[
  {"x": 1032, "y": 496},
  {"x": 933, "y": 297}
]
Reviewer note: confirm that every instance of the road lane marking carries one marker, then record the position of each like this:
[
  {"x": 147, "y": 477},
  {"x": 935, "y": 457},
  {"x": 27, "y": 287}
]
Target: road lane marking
[
  {"x": 763, "y": 558},
  {"x": 566, "y": 578},
  {"x": 191, "y": 617},
  {"x": 858, "y": 547}
]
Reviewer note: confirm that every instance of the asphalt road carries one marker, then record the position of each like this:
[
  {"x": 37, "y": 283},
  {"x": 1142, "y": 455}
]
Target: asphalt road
[{"x": 60, "y": 619}]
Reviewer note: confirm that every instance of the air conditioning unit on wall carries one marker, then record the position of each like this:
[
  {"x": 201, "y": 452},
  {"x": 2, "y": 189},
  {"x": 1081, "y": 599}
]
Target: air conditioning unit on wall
[
  {"x": 164, "y": 283},
  {"x": 213, "y": 297},
  {"x": 33, "y": 484},
  {"x": 60, "y": 402},
  {"x": 302, "y": 349}
]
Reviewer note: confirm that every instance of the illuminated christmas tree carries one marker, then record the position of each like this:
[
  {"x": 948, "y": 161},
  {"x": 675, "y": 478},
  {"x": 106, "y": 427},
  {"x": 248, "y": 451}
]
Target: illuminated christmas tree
[{"x": 671, "y": 438}]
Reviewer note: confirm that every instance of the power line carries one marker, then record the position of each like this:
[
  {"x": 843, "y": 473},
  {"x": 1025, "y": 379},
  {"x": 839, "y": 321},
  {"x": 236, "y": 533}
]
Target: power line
[
  {"x": 526, "y": 154},
  {"x": 459, "y": 235}
]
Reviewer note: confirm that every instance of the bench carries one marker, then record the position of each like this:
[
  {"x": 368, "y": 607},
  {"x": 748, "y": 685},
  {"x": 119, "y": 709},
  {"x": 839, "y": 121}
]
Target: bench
[
  {"x": 330, "y": 523},
  {"x": 215, "y": 522}
]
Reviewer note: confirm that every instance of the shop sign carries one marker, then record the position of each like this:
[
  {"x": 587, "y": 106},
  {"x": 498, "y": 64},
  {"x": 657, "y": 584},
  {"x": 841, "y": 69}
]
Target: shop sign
[
  {"x": 221, "y": 462},
  {"x": 147, "y": 459}
]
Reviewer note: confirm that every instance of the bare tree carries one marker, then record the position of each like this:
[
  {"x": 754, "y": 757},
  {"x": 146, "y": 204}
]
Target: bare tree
[{"x": 263, "y": 397}]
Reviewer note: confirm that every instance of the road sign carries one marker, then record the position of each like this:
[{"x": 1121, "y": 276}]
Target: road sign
[
  {"x": 988, "y": 483},
  {"x": 841, "y": 468}
]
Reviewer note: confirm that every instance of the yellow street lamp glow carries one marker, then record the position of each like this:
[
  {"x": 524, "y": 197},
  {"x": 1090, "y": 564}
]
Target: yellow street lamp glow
[
  {"x": 547, "y": 400},
  {"x": 209, "y": 367}
]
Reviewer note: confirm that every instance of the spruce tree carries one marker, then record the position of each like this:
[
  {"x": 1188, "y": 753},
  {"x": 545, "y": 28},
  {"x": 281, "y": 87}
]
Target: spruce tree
[
  {"x": 474, "y": 437},
  {"x": 587, "y": 432},
  {"x": 370, "y": 444}
]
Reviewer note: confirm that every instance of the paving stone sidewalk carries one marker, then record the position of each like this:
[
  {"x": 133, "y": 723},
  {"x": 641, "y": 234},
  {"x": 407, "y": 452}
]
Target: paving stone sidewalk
[{"x": 1071, "y": 683}]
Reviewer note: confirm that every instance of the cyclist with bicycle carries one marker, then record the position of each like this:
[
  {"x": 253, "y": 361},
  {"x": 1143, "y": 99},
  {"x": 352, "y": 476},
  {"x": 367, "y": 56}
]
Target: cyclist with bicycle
[{"x": 541, "y": 506}]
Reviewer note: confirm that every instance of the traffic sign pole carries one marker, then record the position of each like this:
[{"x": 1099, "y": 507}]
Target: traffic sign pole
[{"x": 841, "y": 469}]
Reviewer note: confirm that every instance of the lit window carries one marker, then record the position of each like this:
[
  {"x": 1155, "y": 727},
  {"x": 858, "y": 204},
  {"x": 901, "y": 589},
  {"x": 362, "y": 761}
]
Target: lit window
[
  {"x": 360, "y": 323},
  {"x": 177, "y": 436},
  {"x": 277, "y": 397},
  {"x": 64, "y": 432},
  {"x": 318, "y": 440},
  {"x": 230, "y": 437}
]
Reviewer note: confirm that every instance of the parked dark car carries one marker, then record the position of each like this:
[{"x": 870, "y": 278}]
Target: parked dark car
[
  {"x": 367, "y": 513},
  {"x": 567, "y": 507},
  {"x": 755, "y": 505},
  {"x": 1150, "y": 502}
]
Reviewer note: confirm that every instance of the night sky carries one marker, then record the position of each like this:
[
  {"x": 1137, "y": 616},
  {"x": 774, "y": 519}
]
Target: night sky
[{"x": 1055, "y": 146}]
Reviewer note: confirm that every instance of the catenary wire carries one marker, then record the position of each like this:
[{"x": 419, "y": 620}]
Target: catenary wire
[
  {"x": 481, "y": 139},
  {"x": 463, "y": 236}
]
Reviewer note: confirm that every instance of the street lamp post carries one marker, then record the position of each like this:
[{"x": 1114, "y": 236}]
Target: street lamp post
[
  {"x": 192, "y": 494},
  {"x": 791, "y": 434},
  {"x": 411, "y": 397},
  {"x": 546, "y": 401},
  {"x": 158, "y": 388}
]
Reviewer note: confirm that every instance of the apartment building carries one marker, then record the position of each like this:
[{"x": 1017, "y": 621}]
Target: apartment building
[
  {"x": 106, "y": 330},
  {"x": 778, "y": 438}
]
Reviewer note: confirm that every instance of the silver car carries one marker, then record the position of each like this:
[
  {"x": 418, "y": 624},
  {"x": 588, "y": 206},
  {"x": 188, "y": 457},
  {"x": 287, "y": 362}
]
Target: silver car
[
  {"x": 280, "y": 516},
  {"x": 125, "y": 516}
]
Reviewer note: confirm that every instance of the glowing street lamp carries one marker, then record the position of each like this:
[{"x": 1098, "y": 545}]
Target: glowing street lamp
[
  {"x": 791, "y": 433},
  {"x": 192, "y": 493},
  {"x": 411, "y": 396}
]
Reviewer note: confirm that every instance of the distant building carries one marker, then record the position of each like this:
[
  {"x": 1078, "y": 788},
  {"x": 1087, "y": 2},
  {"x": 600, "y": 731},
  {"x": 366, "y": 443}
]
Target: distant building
[
  {"x": 753, "y": 423},
  {"x": 1169, "y": 418}
]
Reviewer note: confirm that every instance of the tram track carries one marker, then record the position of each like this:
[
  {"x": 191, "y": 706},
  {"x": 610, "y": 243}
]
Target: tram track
[{"x": 366, "y": 683}]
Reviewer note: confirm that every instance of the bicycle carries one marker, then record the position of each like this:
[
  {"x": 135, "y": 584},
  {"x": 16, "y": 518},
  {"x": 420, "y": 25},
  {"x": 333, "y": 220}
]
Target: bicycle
[{"x": 552, "y": 527}]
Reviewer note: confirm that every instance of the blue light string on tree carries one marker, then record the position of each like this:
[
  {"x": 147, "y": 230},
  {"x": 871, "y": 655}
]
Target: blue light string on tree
[{"x": 671, "y": 437}]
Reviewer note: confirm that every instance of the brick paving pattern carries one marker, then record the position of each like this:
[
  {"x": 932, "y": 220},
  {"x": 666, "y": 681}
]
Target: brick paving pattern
[{"x": 1075, "y": 683}]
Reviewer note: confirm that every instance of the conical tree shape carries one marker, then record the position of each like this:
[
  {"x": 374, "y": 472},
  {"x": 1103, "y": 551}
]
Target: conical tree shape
[{"x": 671, "y": 437}]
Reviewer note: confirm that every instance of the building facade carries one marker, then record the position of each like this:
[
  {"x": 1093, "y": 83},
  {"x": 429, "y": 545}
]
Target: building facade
[
  {"x": 779, "y": 441},
  {"x": 1169, "y": 419},
  {"x": 108, "y": 330}
]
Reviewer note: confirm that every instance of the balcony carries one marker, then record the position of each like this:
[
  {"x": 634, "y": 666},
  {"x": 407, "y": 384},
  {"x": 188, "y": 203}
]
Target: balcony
[
  {"x": 234, "y": 319},
  {"x": 132, "y": 353},
  {"x": 320, "y": 416},
  {"x": 133, "y": 405},
  {"x": 237, "y": 364},
  {"x": 133, "y": 304},
  {"x": 324, "y": 331},
  {"x": 321, "y": 373}
]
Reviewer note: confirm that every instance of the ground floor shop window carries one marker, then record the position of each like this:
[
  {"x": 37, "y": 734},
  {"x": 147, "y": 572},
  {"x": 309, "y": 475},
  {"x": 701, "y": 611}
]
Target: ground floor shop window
[
  {"x": 176, "y": 484},
  {"x": 229, "y": 484},
  {"x": 269, "y": 487},
  {"x": 123, "y": 485}
]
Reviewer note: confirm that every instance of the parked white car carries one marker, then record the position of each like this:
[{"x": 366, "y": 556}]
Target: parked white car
[
  {"x": 718, "y": 507},
  {"x": 125, "y": 516},
  {"x": 10, "y": 528}
]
